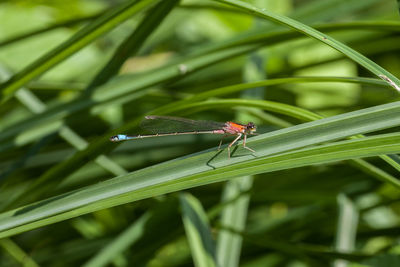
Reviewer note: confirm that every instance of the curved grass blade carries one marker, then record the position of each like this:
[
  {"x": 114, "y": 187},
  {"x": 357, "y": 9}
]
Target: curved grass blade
[
  {"x": 129, "y": 84},
  {"x": 199, "y": 179},
  {"x": 302, "y": 28},
  {"x": 291, "y": 111},
  {"x": 209, "y": 167},
  {"x": 46, "y": 182},
  {"x": 198, "y": 231},
  {"x": 347, "y": 224},
  {"x": 233, "y": 215},
  {"x": 112, "y": 91},
  {"x": 16, "y": 134}
]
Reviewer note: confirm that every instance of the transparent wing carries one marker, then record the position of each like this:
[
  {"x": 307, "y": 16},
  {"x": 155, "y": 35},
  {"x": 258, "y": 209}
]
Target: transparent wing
[{"x": 167, "y": 124}]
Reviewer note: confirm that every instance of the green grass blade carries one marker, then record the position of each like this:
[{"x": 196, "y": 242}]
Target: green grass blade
[
  {"x": 129, "y": 84},
  {"x": 304, "y": 29},
  {"x": 84, "y": 193},
  {"x": 273, "y": 82},
  {"x": 280, "y": 108},
  {"x": 45, "y": 183},
  {"x": 154, "y": 182},
  {"x": 118, "y": 89},
  {"x": 17, "y": 253},
  {"x": 17, "y": 133},
  {"x": 233, "y": 215},
  {"x": 347, "y": 226},
  {"x": 209, "y": 166},
  {"x": 198, "y": 231}
]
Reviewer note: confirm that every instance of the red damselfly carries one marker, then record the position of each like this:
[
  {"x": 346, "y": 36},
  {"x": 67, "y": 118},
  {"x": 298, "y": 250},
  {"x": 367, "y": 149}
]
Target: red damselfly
[{"x": 166, "y": 125}]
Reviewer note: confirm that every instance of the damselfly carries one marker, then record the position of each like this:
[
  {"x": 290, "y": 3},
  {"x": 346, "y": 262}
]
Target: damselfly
[{"x": 165, "y": 126}]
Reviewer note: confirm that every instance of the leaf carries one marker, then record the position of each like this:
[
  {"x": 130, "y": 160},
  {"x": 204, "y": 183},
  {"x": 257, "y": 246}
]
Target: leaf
[
  {"x": 233, "y": 215},
  {"x": 209, "y": 167},
  {"x": 198, "y": 231},
  {"x": 304, "y": 29}
]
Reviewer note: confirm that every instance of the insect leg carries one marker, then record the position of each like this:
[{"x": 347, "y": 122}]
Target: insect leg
[
  {"x": 244, "y": 144},
  {"x": 233, "y": 142},
  {"x": 220, "y": 142}
]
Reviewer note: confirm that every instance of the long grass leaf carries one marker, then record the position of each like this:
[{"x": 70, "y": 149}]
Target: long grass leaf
[
  {"x": 233, "y": 215},
  {"x": 304, "y": 29},
  {"x": 209, "y": 166},
  {"x": 198, "y": 231}
]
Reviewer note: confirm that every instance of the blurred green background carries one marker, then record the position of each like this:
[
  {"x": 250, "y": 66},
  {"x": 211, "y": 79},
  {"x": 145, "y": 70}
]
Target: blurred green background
[{"x": 76, "y": 72}]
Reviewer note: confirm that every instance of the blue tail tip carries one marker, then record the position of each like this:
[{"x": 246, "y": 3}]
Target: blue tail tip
[{"x": 116, "y": 138}]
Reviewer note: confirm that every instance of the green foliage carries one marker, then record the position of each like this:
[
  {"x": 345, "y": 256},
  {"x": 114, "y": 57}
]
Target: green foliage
[{"x": 320, "y": 189}]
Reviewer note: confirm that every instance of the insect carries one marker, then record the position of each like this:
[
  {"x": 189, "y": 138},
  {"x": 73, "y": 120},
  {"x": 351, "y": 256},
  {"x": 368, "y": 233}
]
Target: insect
[{"x": 166, "y": 125}]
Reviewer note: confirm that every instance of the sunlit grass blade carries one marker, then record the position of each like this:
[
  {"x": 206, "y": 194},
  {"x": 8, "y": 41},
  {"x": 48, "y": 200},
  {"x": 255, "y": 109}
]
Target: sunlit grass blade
[
  {"x": 346, "y": 226},
  {"x": 198, "y": 231},
  {"x": 302, "y": 28},
  {"x": 291, "y": 111},
  {"x": 209, "y": 167},
  {"x": 72, "y": 197},
  {"x": 234, "y": 215},
  {"x": 112, "y": 90},
  {"x": 18, "y": 134},
  {"x": 129, "y": 84},
  {"x": 44, "y": 184}
]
